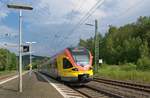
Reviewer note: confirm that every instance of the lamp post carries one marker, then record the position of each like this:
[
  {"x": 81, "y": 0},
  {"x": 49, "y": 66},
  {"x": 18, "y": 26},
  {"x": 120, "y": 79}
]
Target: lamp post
[
  {"x": 20, "y": 7},
  {"x": 30, "y": 49},
  {"x": 96, "y": 50}
]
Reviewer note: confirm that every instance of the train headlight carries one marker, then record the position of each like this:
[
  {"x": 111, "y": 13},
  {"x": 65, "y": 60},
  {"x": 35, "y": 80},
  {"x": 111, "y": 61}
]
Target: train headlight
[{"x": 75, "y": 69}]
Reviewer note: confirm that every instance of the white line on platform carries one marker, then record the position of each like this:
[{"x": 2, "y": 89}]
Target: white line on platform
[
  {"x": 44, "y": 77},
  {"x": 11, "y": 78}
]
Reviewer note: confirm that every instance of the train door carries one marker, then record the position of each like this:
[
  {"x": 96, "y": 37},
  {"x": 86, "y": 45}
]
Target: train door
[
  {"x": 55, "y": 68},
  {"x": 55, "y": 72},
  {"x": 59, "y": 66},
  {"x": 50, "y": 69}
]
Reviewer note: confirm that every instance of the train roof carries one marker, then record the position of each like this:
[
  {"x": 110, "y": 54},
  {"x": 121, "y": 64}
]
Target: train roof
[{"x": 69, "y": 48}]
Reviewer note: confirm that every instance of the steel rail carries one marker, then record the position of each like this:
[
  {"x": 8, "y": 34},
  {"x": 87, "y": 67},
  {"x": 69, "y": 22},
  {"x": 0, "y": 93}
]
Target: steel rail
[
  {"x": 135, "y": 86},
  {"x": 94, "y": 89}
]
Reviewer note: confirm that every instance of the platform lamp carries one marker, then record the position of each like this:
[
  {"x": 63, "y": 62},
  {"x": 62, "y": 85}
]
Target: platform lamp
[{"x": 20, "y": 7}]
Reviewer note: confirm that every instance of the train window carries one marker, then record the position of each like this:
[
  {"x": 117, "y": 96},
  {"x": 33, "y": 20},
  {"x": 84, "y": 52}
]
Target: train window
[
  {"x": 55, "y": 63},
  {"x": 81, "y": 56},
  {"x": 66, "y": 63}
]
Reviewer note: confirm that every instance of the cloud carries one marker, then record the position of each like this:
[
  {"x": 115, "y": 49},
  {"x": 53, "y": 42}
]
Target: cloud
[
  {"x": 59, "y": 11},
  {"x": 9, "y": 45},
  {"x": 51, "y": 21},
  {"x": 3, "y": 10},
  {"x": 59, "y": 17},
  {"x": 3, "y": 14},
  {"x": 7, "y": 31}
]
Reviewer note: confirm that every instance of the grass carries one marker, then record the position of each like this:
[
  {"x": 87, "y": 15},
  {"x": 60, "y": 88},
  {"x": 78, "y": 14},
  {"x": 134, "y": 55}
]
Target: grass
[
  {"x": 7, "y": 72},
  {"x": 128, "y": 73}
]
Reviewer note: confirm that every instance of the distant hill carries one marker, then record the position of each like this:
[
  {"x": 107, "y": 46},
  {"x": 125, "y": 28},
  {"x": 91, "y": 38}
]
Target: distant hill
[{"x": 35, "y": 59}]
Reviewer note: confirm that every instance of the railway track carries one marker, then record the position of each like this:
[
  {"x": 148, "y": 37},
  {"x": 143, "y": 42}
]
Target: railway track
[
  {"x": 90, "y": 92},
  {"x": 126, "y": 89},
  {"x": 135, "y": 86},
  {"x": 106, "y": 88},
  {"x": 93, "y": 92}
]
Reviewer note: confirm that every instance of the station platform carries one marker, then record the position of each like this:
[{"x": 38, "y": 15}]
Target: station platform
[{"x": 34, "y": 86}]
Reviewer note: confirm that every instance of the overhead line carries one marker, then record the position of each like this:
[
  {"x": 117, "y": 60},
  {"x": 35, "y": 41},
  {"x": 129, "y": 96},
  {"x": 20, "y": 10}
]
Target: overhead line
[
  {"x": 79, "y": 9},
  {"x": 93, "y": 7},
  {"x": 86, "y": 17},
  {"x": 96, "y": 5}
]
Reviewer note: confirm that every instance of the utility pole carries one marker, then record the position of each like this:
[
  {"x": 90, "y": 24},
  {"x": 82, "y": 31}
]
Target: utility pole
[{"x": 96, "y": 46}]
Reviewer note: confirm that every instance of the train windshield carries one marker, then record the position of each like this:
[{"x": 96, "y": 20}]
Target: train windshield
[{"x": 81, "y": 56}]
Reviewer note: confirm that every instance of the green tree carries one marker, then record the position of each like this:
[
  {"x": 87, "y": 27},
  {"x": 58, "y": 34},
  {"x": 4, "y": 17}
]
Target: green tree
[
  {"x": 3, "y": 57},
  {"x": 126, "y": 44},
  {"x": 8, "y": 60},
  {"x": 144, "y": 50}
]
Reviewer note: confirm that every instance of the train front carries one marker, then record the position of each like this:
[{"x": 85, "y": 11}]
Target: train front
[{"x": 81, "y": 70}]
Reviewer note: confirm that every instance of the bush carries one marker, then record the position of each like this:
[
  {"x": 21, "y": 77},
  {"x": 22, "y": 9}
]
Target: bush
[
  {"x": 143, "y": 63},
  {"x": 128, "y": 67},
  {"x": 104, "y": 65}
]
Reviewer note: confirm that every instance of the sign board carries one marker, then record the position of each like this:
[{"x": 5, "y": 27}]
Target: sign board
[
  {"x": 100, "y": 61},
  {"x": 25, "y": 48}
]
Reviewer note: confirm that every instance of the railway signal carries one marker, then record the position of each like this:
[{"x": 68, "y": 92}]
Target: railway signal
[{"x": 25, "y": 48}]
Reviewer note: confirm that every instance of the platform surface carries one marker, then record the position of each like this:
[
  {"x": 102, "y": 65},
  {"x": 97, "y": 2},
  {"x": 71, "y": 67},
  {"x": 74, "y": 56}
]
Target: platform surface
[{"x": 34, "y": 86}]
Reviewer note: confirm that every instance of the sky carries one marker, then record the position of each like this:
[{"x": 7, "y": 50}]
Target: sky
[{"x": 57, "y": 24}]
